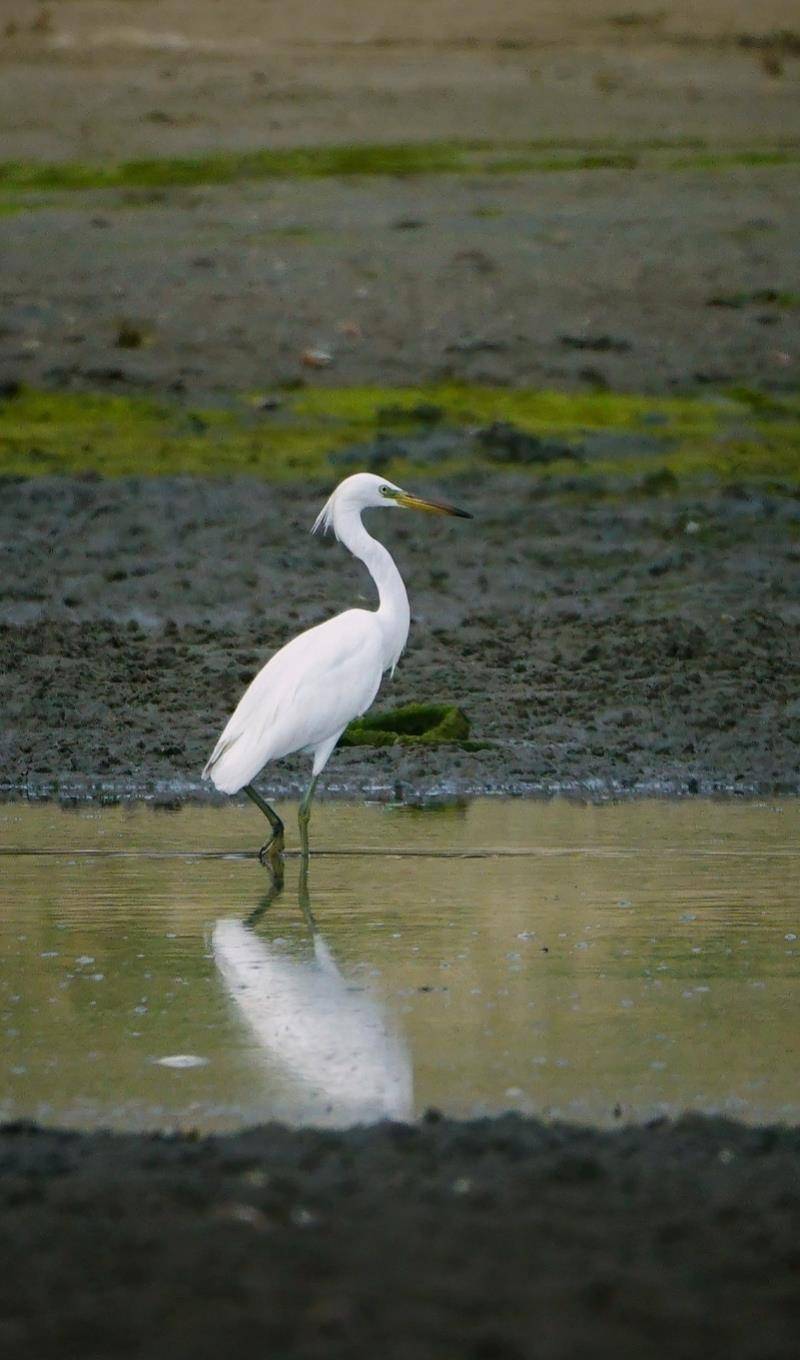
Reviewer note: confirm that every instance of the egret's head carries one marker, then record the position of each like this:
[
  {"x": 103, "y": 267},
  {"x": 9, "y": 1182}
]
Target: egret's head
[{"x": 365, "y": 491}]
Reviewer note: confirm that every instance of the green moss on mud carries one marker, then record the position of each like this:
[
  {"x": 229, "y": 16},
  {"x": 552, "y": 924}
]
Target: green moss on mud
[
  {"x": 621, "y": 439},
  {"x": 410, "y": 724},
  {"x": 22, "y": 183}
]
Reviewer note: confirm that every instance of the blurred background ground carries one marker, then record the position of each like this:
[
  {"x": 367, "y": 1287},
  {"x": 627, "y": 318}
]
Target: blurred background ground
[
  {"x": 96, "y": 78},
  {"x": 681, "y": 124}
]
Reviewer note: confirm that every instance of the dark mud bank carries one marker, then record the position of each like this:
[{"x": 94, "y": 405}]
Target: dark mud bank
[
  {"x": 505, "y": 1239},
  {"x": 597, "y": 646}
]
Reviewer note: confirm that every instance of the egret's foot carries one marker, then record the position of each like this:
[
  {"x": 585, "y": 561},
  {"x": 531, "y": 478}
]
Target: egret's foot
[{"x": 271, "y": 854}]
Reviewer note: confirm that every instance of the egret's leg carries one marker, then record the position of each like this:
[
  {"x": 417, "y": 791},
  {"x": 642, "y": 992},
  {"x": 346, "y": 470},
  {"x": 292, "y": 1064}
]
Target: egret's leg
[
  {"x": 304, "y": 814},
  {"x": 272, "y": 852},
  {"x": 304, "y": 897}
]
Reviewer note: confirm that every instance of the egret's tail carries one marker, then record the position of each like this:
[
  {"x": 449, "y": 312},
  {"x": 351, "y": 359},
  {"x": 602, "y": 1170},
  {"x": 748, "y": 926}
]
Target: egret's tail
[{"x": 223, "y": 768}]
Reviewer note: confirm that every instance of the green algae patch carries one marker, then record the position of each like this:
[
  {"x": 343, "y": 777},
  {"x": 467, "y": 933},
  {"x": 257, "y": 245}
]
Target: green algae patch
[
  {"x": 408, "y": 725},
  {"x": 313, "y": 162},
  {"x": 537, "y": 411},
  {"x": 111, "y": 435},
  {"x": 742, "y": 158},
  {"x": 585, "y": 443},
  {"x": 22, "y": 183}
]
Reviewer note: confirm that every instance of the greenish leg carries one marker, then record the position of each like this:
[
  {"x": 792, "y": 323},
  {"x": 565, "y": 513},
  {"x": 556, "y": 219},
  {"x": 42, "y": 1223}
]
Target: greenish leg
[
  {"x": 272, "y": 853},
  {"x": 304, "y": 815},
  {"x": 304, "y": 897}
]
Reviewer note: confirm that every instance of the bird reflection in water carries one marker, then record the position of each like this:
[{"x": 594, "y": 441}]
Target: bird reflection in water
[{"x": 332, "y": 1039}]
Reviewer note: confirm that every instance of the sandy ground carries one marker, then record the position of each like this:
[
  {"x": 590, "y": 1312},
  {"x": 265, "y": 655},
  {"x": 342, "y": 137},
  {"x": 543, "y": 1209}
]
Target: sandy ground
[{"x": 505, "y": 1240}]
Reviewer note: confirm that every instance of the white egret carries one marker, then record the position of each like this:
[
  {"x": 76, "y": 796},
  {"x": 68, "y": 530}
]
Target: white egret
[{"x": 308, "y": 692}]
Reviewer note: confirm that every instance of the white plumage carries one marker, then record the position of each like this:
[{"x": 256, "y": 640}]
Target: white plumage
[
  {"x": 302, "y": 700},
  {"x": 308, "y": 692}
]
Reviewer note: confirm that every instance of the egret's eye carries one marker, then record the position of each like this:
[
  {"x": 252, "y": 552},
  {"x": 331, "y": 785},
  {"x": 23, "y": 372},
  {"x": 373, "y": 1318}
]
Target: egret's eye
[{"x": 385, "y": 490}]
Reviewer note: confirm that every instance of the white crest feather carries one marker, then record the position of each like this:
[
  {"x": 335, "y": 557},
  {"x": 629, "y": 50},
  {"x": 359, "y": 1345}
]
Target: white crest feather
[{"x": 324, "y": 520}]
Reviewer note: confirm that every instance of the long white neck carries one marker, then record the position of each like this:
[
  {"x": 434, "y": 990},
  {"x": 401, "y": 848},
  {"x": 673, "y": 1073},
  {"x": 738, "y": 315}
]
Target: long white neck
[{"x": 393, "y": 614}]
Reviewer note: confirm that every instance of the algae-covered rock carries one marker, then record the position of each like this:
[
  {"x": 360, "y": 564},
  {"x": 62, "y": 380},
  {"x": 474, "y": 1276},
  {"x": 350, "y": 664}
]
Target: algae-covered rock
[{"x": 410, "y": 724}]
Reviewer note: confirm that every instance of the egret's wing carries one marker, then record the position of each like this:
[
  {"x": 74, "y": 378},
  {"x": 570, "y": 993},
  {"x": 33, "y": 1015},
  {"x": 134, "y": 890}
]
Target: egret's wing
[{"x": 307, "y": 693}]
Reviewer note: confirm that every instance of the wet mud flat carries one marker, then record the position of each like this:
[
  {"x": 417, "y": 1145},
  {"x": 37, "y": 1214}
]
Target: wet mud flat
[
  {"x": 504, "y": 1238},
  {"x": 596, "y": 644}
]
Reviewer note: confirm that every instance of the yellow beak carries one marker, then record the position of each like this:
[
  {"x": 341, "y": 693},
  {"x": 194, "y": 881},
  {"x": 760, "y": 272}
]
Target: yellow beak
[{"x": 433, "y": 507}]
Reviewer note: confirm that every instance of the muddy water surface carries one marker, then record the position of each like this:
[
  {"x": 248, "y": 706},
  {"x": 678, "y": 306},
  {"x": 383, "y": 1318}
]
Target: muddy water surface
[{"x": 592, "y": 963}]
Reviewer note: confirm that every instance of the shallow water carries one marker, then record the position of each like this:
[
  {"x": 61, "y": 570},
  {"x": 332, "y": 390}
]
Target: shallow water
[{"x": 596, "y": 963}]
